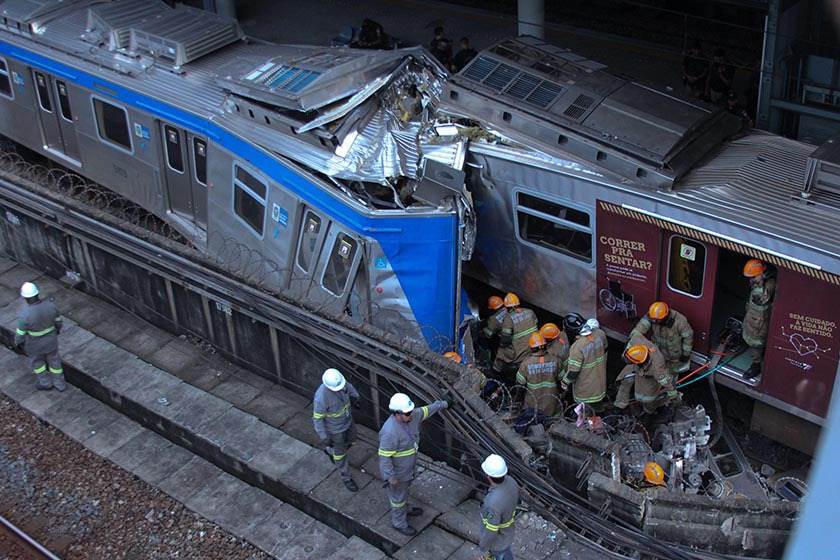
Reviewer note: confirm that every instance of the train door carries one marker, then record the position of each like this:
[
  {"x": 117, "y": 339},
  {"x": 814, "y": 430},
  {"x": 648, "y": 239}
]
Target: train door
[
  {"x": 187, "y": 195},
  {"x": 313, "y": 230},
  {"x": 47, "y": 113},
  {"x": 687, "y": 283},
  {"x": 198, "y": 179},
  {"x": 331, "y": 284},
  {"x": 66, "y": 120}
]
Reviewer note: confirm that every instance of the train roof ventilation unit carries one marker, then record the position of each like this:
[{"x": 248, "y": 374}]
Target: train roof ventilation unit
[
  {"x": 111, "y": 23},
  {"x": 561, "y": 103},
  {"x": 177, "y": 37},
  {"x": 822, "y": 178},
  {"x": 302, "y": 78},
  {"x": 30, "y": 16}
]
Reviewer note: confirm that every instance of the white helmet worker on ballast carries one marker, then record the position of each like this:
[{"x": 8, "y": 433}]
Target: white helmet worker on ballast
[
  {"x": 333, "y": 421},
  {"x": 498, "y": 510},
  {"x": 38, "y": 326},
  {"x": 28, "y": 290}
]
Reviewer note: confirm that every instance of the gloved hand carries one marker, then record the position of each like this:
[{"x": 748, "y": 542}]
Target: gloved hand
[
  {"x": 564, "y": 386},
  {"x": 357, "y": 403},
  {"x": 673, "y": 394},
  {"x": 58, "y": 328},
  {"x": 448, "y": 398}
]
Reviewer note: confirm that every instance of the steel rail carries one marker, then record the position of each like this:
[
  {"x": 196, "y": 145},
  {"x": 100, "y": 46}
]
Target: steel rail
[
  {"x": 35, "y": 549},
  {"x": 335, "y": 339}
]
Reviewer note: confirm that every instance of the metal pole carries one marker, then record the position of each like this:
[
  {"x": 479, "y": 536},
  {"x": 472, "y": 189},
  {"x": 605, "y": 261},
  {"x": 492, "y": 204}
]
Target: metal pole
[
  {"x": 768, "y": 58},
  {"x": 531, "y": 18}
]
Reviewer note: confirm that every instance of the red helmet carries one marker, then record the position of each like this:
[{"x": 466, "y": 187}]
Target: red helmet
[{"x": 495, "y": 302}]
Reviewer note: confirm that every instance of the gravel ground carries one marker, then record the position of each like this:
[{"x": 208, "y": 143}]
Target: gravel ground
[{"x": 84, "y": 507}]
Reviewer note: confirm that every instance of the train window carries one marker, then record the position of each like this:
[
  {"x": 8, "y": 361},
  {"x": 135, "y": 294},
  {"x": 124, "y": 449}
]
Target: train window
[
  {"x": 112, "y": 123},
  {"x": 554, "y": 226},
  {"x": 249, "y": 199},
  {"x": 5, "y": 82},
  {"x": 63, "y": 100},
  {"x": 43, "y": 89},
  {"x": 309, "y": 232},
  {"x": 338, "y": 267},
  {"x": 174, "y": 154},
  {"x": 686, "y": 266},
  {"x": 200, "y": 160}
]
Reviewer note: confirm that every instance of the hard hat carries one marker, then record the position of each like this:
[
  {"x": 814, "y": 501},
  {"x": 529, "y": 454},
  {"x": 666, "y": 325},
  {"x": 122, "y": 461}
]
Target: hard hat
[
  {"x": 494, "y": 466},
  {"x": 753, "y": 268},
  {"x": 573, "y": 322},
  {"x": 454, "y": 356},
  {"x": 550, "y": 331},
  {"x": 511, "y": 300},
  {"x": 495, "y": 302},
  {"x": 658, "y": 310},
  {"x": 589, "y": 326},
  {"x": 637, "y": 354},
  {"x": 28, "y": 290},
  {"x": 401, "y": 403},
  {"x": 654, "y": 474},
  {"x": 333, "y": 380},
  {"x": 536, "y": 340}
]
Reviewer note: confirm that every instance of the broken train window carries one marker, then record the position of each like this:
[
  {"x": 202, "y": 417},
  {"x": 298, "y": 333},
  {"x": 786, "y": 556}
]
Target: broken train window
[
  {"x": 554, "y": 226},
  {"x": 338, "y": 267}
]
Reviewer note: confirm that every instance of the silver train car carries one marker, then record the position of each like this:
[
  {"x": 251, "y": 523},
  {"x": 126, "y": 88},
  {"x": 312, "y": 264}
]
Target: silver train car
[{"x": 307, "y": 157}]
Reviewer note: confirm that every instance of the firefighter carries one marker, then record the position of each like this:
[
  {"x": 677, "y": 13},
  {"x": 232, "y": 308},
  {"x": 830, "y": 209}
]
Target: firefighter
[
  {"x": 587, "y": 369},
  {"x": 498, "y": 511},
  {"x": 654, "y": 475},
  {"x": 493, "y": 324},
  {"x": 334, "y": 422},
  {"x": 572, "y": 323},
  {"x": 513, "y": 340},
  {"x": 647, "y": 372},
  {"x": 38, "y": 327},
  {"x": 670, "y": 332},
  {"x": 757, "y": 317},
  {"x": 399, "y": 441},
  {"x": 557, "y": 345},
  {"x": 538, "y": 376}
]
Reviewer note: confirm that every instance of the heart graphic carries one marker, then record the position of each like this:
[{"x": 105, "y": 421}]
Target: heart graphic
[{"x": 802, "y": 345}]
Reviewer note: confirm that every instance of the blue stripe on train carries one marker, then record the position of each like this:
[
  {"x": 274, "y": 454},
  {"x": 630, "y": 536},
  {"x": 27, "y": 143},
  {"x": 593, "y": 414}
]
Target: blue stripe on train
[{"x": 421, "y": 251}]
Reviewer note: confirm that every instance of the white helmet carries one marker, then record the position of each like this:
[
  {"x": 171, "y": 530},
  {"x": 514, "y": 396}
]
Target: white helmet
[
  {"x": 589, "y": 326},
  {"x": 494, "y": 466},
  {"x": 28, "y": 290},
  {"x": 401, "y": 403},
  {"x": 333, "y": 380}
]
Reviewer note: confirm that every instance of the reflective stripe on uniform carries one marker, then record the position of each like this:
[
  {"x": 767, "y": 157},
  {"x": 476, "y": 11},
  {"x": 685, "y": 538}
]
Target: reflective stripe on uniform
[
  {"x": 21, "y": 332},
  {"x": 339, "y": 457},
  {"x": 491, "y": 527},
  {"x": 46, "y": 331},
  {"x": 526, "y": 332},
  {"x": 395, "y": 453},
  {"x": 41, "y": 369},
  {"x": 542, "y": 385},
  {"x": 57, "y": 371},
  {"x": 396, "y": 504},
  {"x": 591, "y": 399},
  {"x": 339, "y": 414}
]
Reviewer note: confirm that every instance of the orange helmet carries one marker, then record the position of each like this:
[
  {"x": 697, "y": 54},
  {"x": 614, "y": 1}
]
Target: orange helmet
[
  {"x": 495, "y": 302},
  {"x": 654, "y": 474},
  {"x": 454, "y": 356},
  {"x": 658, "y": 310},
  {"x": 550, "y": 331},
  {"x": 536, "y": 340},
  {"x": 637, "y": 354},
  {"x": 511, "y": 300},
  {"x": 753, "y": 268}
]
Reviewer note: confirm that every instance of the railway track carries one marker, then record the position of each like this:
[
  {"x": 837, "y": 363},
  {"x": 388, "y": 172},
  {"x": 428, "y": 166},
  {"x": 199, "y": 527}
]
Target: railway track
[{"x": 30, "y": 547}]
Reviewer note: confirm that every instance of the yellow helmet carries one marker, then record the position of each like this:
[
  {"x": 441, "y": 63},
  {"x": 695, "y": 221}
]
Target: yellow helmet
[
  {"x": 637, "y": 354},
  {"x": 654, "y": 474},
  {"x": 536, "y": 340},
  {"x": 550, "y": 331},
  {"x": 454, "y": 356},
  {"x": 494, "y": 303},
  {"x": 658, "y": 310},
  {"x": 511, "y": 300},
  {"x": 753, "y": 268}
]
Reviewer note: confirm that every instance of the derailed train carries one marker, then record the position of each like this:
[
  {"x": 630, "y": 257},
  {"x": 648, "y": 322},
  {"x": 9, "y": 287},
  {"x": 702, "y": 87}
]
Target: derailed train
[{"x": 366, "y": 179}]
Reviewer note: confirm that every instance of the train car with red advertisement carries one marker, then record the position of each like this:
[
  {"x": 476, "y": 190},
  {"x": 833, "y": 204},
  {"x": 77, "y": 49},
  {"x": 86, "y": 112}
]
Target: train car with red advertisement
[{"x": 599, "y": 195}]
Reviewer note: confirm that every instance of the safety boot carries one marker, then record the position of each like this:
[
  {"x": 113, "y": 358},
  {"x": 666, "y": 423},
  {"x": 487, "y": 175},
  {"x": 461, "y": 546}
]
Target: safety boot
[
  {"x": 351, "y": 485},
  {"x": 44, "y": 383},
  {"x": 58, "y": 382},
  {"x": 408, "y": 530},
  {"x": 754, "y": 371}
]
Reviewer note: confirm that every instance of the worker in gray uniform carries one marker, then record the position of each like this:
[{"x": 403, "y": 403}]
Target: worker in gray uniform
[
  {"x": 399, "y": 441},
  {"x": 334, "y": 422},
  {"x": 498, "y": 511},
  {"x": 37, "y": 331}
]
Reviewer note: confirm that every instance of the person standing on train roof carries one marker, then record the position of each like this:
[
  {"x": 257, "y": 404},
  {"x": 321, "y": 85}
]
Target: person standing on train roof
[
  {"x": 333, "y": 421},
  {"x": 557, "y": 345},
  {"x": 670, "y": 332},
  {"x": 518, "y": 325},
  {"x": 38, "y": 326},
  {"x": 498, "y": 511},
  {"x": 399, "y": 441},
  {"x": 757, "y": 317},
  {"x": 647, "y": 373},
  {"x": 587, "y": 370}
]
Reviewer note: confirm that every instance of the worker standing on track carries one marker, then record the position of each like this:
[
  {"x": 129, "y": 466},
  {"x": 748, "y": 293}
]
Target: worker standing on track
[
  {"x": 399, "y": 441},
  {"x": 498, "y": 511},
  {"x": 557, "y": 346},
  {"x": 513, "y": 340},
  {"x": 538, "y": 375},
  {"x": 38, "y": 326},
  {"x": 671, "y": 333},
  {"x": 757, "y": 317},
  {"x": 333, "y": 421},
  {"x": 647, "y": 372},
  {"x": 587, "y": 371}
]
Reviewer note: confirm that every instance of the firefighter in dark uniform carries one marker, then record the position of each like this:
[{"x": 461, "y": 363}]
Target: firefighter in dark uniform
[
  {"x": 37, "y": 331},
  {"x": 513, "y": 340}
]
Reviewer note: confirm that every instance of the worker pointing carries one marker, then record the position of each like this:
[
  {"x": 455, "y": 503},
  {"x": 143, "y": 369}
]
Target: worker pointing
[
  {"x": 399, "y": 440},
  {"x": 333, "y": 421},
  {"x": 671, "y": 333},
  {"x": 38, "y": 326},
  {"x": 498, "y": 511}
]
